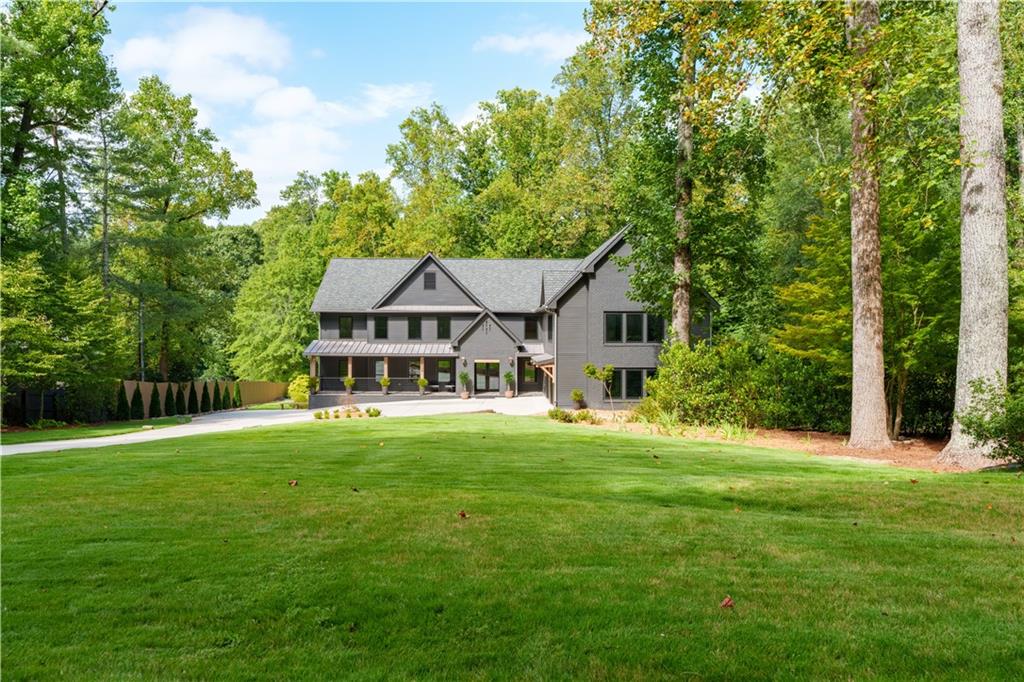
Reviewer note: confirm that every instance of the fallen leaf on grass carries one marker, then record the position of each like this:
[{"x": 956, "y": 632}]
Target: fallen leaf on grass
[
  {"x": 463, "y": 514},
  {"x": 381, "y": 444},
  {"x": 293, "y": 483},
  {"x": 737, "y": 510},
  {"x": 913, "y": 480},
  {"x": 355, "y": 490},
  {"x": 727, "y": 603}
]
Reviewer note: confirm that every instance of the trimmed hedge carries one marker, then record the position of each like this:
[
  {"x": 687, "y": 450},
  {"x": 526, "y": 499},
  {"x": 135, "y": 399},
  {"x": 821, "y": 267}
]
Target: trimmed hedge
[
  {"x": 137, "y": 411},
  {"x": 193, "y": 402},
  {"x": 122, "y": 412},
  {"x": 154, "y": 404}
]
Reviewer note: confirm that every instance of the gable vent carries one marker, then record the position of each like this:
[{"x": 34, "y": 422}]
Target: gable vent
[{"x": 430, "y": 280}]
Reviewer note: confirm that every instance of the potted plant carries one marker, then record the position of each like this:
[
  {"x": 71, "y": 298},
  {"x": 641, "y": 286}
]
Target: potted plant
[
  {"x": 384, "y": 383},
  {"x": 349, "y": 383},
  {"x": 577, "y": 398},
  {"x": 464, "y": 379},
  {"x": 422, "y": 383},
  {"x": 510, "y": 380}
]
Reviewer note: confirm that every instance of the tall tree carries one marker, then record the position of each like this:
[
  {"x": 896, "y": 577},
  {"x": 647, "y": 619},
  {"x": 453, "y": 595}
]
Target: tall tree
[
  {"x": 984, "y": 302},
  {"x": 868, "y": 415}
]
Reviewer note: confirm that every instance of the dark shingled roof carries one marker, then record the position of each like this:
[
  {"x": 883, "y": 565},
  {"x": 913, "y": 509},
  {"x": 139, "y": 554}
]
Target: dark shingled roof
[{"x": 503, "y": 285}]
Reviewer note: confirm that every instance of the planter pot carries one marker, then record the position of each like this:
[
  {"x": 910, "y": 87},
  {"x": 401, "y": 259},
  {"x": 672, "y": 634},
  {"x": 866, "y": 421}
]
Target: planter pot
[
  {"x": 509, "y": 394},
  {"x": 348, "y": 390},
  {"x": 423, "y": 391},
  {"x": 578, "y": 404},
  {"x": 384, "y": 391},
  {"x": 464, "y": 395}
]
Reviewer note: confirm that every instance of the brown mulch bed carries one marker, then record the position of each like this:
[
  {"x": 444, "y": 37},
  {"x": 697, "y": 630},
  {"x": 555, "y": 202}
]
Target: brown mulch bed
[{"x": 918, "y": 453}]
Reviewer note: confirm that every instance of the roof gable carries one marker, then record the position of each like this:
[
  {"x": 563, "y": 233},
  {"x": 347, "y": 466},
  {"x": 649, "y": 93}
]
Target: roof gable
[
  {"x": 485, "y": 316},
  {"x": 409, "y": 290}
]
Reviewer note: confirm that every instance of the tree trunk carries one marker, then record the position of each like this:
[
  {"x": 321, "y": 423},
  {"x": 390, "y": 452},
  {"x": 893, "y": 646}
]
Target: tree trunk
[
  {"x": 18, "y": 152},
  {"x": 165, "y": 350},
  {"x": 900, "y": 402},
  {"x": 984, "y": 285},
  {"x": 682, "y": 262},
  {"x": 869, "y": 416},
  {"x": 1020, "y": 162},
  {"x": 105, "y": 206},
  {"x": 62, "y": 193}
]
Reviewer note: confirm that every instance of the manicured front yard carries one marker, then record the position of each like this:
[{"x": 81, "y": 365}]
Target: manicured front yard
[
  {"x": 88, "y": 430},
  {"x": 584, "y": 553}
]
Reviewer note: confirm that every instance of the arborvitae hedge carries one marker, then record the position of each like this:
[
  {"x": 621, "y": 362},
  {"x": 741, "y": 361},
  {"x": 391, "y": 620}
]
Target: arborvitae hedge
[
  {"x": 193, "y": 402},
  {"x": 154, "y": 404},
  {"x": 238, "y": 394},
  {"x": 122, "y": 413},
  {"x": 204, "y": 404},
  {"x": 170, "y": 406},
  {"x": 137, "y": 411},
  {"x": 180, "y": 406},
  {"x": 225, "y": 400},
  {"x": 216, "y": 396}
]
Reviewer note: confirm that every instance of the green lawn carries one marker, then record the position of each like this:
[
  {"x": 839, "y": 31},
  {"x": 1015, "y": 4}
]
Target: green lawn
[
  {"x": 275, "y": 405},
  {"x": 88, "y": 430},
  {"x": 585, "y": 553}
]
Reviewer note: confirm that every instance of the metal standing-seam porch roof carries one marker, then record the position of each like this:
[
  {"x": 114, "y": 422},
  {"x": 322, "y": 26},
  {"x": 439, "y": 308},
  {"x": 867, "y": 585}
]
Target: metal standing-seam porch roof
[{"x": 366, "y": 349}]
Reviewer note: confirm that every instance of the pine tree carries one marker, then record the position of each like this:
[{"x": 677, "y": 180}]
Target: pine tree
[
  {"x": 204, "y": 404},
  {"x": 193, "y": 402},
  {"x": 180, "y": 406},
  {"x": 216, "y": 396},
  {"x": 226, "y": 398},
  {"x": 170, "y": 404},
  {"x": 154, "y": 404},
  {"x": 122, "y": 412},
  {"x": 136, "y": 407},
  {"x": 238, "y": 394}
]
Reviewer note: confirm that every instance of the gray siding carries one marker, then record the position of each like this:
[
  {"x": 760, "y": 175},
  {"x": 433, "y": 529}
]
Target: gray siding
[
  {"x": 486, "y": 341},
  {"x": 411, "y": 292},
  {"x": 329, "y": 326},
  {"x": 572, "y": 343}
]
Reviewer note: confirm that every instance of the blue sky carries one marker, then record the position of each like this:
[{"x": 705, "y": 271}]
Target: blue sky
[{"x": 311, "y": 86}]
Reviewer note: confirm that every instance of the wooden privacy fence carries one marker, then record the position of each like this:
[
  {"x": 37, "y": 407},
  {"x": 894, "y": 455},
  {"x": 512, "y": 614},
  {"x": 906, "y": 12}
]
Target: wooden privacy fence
[{"x": 253, "y": 392}]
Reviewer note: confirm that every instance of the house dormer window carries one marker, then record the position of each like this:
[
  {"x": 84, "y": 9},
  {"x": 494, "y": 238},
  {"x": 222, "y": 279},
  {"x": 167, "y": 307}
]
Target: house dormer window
[{"x": 430, "y": 280}]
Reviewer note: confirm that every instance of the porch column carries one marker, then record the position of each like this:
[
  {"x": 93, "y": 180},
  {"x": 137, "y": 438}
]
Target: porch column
[
  {"x": 386, "y": 366},
  {"x": 312, "y": 370},
  {"x": 423, "y": 367},
  {"x": 349, "y": 366}
]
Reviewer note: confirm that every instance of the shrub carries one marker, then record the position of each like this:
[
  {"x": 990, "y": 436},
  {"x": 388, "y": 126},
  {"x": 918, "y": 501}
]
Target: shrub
[
  {"x": 350, "y": 382},
  {"x": 560, "y": 415},
  {"x": 122, "y": 412},
  {"x": 318, "y": 415},
  {"x": 193, "y": 402},
  {"x": 40, "y": 424},
  {"x": 215, "y": 402},
  {"x": 372, "y": 412},
  {"x": 465, "y": 380},
  {"x": 510, "y": 381},
  {"x": 300, "y": 388},
  {"x": 736, "y": 384},
  {"x": 154, "y": 404},
  {"x": 136, "y": 410},
  {"x": 238, "y": 394},
  {"x": 422, "y": 382},
  {"x": 384, "y": 382},
  {"x": 225, "y": 399},
  {"x": 995, "y": 419},
  {"x": 170, "y": 406},
  {"x": 180, "y": 404},
  {"x": 337, "y": 414},
  {"x": 204, "y": 402},
  {"x": 577, "y": 396},
  {"x": 585, "y": 417}
]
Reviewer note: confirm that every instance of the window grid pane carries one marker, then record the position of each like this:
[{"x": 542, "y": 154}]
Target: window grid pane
[
  {"x": 531, "y": 328},
  {"x": 616, "y": 385},
  {"x": 635, "y": 328},
  {"x": 414, "y": 328},
  {"x": 613, "y": 327},
  {"x": 380, "y": 327},
  {"x": 430, "y": 280},
  {"x": 655, "y": 329},
  {"x": 634, "y": 383},
  {"x": 345, "y": 327}
]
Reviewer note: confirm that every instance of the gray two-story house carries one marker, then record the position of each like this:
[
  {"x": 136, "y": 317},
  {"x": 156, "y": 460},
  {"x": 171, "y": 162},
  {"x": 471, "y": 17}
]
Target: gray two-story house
[{"x": 540, "y": 319}]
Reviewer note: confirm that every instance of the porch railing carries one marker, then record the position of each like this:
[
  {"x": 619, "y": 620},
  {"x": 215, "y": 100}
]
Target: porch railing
[{"x": 370, "y": 384}]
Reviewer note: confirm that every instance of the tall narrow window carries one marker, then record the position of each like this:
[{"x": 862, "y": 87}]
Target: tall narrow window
[
  {"x": 529, "y": 373},
  {"x": 414, "y": 328},
  {"x": 444, "y": 327},
  {"x": 414, "y": 369},
  {"x": 430, "y": 280},
  {"x": 345, "y": 327},
  {"x": 615, "y": 385},
  {"x": 655, "y": 328},
  {"x": 634, "y": 383},
  {"x": 378, "y": 369},
  {"x": 444, "y": 371},
  {"x": 531, "y": 329},
  {"x": 380, "y": 327},
  {"x": 634, "y": 327},
  {"x": 613, "y": 327},
  {"x": 551, "y": 327}
]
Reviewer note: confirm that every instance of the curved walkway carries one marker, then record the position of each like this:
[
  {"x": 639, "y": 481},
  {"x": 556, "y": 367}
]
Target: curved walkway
[{"x": 235, "y": 420}]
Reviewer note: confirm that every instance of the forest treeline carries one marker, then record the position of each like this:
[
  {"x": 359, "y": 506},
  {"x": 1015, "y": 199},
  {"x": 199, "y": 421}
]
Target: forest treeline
[{"x": 739, "y": 141}]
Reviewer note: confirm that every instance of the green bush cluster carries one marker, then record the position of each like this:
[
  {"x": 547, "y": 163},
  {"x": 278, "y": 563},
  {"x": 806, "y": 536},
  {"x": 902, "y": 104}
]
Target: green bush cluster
[
  {"x": 372, "y": 412},
  {"x": 300, "y": 388},
  {"x": 734, "y": 383},
  {"x": 571, "y": 417},
  {"x": 995, "y": 419}
]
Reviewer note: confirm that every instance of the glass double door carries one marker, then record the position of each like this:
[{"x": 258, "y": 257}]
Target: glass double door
[{"x": 486, "y": 377}]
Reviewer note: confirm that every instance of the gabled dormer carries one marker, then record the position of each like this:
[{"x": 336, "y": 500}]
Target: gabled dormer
[{"x": 429, "y": 283}]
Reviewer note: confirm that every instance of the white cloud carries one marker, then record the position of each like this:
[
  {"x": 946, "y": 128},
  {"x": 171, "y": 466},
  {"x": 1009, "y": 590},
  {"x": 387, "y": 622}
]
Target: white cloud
[
  {"x": 548, "y": 44},
  {"x": 469, "y": 114},
  {"x": 214, "y": 54}
]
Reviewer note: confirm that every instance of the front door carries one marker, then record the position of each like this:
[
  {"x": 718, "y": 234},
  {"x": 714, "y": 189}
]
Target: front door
[{"x": 486, "y": 377}]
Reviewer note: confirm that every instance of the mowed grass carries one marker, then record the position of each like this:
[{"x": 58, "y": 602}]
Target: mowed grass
[
  {"x": 88, "y": 430},
  {"x": 585, "y": 553}
]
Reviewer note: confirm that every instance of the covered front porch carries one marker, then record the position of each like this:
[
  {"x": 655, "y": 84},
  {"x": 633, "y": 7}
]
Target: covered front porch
[{"x": 367, "y": 371}]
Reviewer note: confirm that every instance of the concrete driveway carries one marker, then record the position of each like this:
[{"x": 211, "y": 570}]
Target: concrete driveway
[{"x": 235, "y": 420}]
